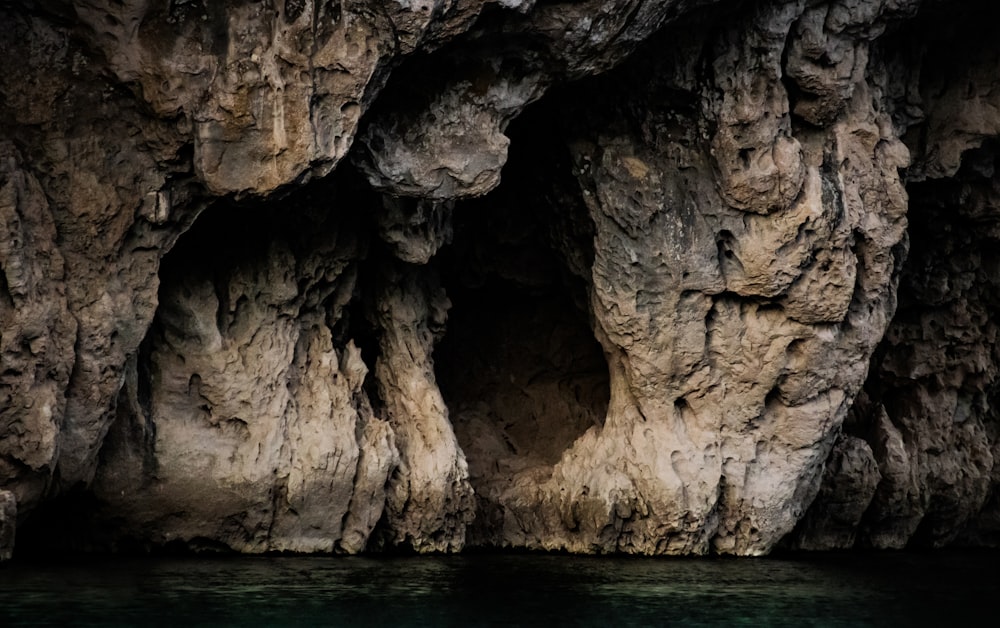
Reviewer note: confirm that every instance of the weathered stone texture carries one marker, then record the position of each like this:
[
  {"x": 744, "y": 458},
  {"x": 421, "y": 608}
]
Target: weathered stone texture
[
  {"x": 429, "y": 502},
  {"x": 716, "y": 315},
  {"x": 928, "y": 412},
  {"x": 600, "y": 276},
  {"x": 256, "y": 430}
]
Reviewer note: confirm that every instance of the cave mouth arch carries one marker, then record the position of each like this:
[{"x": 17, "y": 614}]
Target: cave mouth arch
[{"x": 519, "y": 367}]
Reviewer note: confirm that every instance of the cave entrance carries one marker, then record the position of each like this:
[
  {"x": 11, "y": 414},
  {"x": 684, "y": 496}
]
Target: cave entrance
[{"x": 519, "y": 367}]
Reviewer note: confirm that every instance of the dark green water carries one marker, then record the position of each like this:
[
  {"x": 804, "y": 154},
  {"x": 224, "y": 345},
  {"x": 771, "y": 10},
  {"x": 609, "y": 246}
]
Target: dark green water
[{"x": 887, "y": 589}]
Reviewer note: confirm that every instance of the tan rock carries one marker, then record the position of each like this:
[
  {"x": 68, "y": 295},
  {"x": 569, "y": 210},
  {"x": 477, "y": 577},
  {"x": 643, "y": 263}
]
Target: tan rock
[
  {"x": 257, "y": 432},
  {"x": 429, "y": 500},
  {"x": 692, "y": 213}
]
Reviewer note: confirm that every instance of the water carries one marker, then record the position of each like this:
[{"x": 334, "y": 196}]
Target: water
[{"x": 887, "y": 589}]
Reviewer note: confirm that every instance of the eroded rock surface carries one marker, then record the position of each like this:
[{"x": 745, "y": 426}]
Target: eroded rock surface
[
  {"x": 244, "y": 420},
  {"x": 430, "y": 500},
  {"x": 87, "y": 210},
  {"x": 736, "y": 326},
  {"x": 600, "y": 276},
  {"x": 928, "y": 413}
]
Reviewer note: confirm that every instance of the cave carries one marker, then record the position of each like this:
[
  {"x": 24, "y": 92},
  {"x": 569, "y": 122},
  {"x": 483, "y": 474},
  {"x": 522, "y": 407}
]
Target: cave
[
  {"x": 596, "y": 277},
  {"x": 519, "y": 366}
]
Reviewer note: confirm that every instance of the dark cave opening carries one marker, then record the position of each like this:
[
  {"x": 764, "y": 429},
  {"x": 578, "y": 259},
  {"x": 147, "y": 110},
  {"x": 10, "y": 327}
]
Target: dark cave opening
[
  {"x": 294, "y": 259},
  {"x": 519, "y": 367},
  {"x": 521, "y": 373}
]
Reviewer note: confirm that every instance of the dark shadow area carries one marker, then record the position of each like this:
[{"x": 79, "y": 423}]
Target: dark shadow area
[{"x": 519, "y": 367}]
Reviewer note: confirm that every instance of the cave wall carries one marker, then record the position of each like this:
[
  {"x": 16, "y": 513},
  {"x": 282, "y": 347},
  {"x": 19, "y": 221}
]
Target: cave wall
[
  {"x": 675, "y": 277},
  {"x": 915, "y": 465}
]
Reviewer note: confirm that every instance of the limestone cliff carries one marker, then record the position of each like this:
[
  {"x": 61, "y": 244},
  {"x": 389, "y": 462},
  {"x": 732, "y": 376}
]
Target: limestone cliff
[{"x": 641, "y": 276}]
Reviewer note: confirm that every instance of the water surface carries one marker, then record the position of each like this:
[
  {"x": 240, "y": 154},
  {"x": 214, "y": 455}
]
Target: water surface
[{"x": 880, "y": 589}]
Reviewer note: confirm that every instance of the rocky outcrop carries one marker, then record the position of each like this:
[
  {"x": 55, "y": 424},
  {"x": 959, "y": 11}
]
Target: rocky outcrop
[
  {"x": 243, "y": 420},
  {"x": 94, "y": 191},
  {"x": 713, "y": 312},
  {"x": 624, "y": 276},
  {"x": 927, "y": 417},
  {"x": 430, "y": 500}
]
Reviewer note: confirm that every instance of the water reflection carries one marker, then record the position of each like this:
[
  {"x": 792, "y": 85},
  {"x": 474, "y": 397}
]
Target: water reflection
[{"x": 523, "y": 590}]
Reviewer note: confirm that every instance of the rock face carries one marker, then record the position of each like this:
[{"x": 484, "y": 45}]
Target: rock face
[
  {"x": 927, "y": 417},
  {"x": 637, "y": 276},
  {"x": 243, "y": 419}
]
